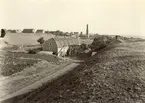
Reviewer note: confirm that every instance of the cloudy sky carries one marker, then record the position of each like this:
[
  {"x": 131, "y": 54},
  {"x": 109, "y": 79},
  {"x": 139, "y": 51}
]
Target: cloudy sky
[{"x": 124, "y": 17}]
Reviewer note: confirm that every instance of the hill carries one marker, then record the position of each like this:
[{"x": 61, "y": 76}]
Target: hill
[{"x": 114, "y": 75}]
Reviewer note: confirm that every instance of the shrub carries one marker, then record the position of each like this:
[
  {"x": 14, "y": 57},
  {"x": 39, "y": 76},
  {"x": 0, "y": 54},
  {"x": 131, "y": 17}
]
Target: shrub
[
  {"x": 32, "y": 51},
  {"x": 83, "y": 46},
  {"x": 99, "y": 43},
  {"x": 35, "y": 50}
]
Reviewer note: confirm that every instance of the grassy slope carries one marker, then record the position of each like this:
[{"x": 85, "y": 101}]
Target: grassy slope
[{"x": 114, "y": 75}]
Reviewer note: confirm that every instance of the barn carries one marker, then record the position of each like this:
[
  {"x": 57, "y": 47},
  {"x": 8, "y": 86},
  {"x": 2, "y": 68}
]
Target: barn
[{"x": 59, "y": 46}]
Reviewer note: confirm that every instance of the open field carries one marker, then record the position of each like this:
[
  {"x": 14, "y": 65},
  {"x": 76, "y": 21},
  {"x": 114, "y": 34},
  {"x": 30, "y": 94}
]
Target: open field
[
  {"x": 25, "y": 38},
  {"x": 114, "y": 75},
  {"x": 19, "y": 69}
]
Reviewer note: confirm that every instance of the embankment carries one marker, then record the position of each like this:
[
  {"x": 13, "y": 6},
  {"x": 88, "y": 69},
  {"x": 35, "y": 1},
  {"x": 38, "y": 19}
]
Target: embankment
[{"x": 114, "y": 75}]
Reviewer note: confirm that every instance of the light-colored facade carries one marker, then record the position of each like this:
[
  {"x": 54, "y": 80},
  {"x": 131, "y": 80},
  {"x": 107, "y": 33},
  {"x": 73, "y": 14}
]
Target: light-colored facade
[{"x": 59, "y": 46}]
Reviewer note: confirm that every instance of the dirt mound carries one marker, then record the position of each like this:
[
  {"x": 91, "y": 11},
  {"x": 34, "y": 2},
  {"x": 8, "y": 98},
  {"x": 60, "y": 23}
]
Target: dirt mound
[{"x": 111, "y": 76}]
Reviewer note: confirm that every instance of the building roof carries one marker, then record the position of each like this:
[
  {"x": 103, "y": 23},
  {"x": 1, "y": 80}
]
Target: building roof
[
  {"x": 65, "y": 41},
  {"x": 40, "y": 31},
  {"x": 28, "y": 30}
]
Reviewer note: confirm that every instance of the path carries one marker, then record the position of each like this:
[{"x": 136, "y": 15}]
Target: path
[{"x": 41, "y": 82}]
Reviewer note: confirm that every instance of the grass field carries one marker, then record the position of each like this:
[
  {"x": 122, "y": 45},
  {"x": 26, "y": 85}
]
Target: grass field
[
  {"x": 25, "y": 39},
  {"x": 114, "y": 75},
  {"x": 19, "y": 69}
]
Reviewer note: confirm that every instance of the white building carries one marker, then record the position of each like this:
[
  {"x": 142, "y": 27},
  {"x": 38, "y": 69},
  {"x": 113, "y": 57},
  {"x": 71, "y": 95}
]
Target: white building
[{"x": 59, "y": 46}]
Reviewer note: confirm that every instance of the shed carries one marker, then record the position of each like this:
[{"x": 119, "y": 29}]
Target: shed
[
  {"x": 59, "y": 46},
  {"x": 28, "y": 31}
]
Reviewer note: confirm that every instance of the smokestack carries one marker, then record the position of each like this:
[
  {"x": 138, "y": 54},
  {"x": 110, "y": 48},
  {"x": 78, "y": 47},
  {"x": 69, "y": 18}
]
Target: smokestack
[{"x": 87, "y": 31}]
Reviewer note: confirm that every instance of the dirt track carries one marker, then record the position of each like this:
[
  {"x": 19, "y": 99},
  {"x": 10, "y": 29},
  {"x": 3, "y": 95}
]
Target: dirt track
[{"x": 114, "y": 75}]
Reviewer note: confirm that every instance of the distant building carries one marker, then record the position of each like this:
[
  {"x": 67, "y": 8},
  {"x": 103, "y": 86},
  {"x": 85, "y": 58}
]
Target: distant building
[
  {"x": 76, "y": 33},
  {"x": 40, "y": 31},
  {"x": 28, "y": 31},
  {"x": 46, "y": 31},
  {"x": 82, "y": 36},
  {"x": 52, "y": 32},
  {"x": 59, "y": 46},
  {"x": 11, "y": 31}
]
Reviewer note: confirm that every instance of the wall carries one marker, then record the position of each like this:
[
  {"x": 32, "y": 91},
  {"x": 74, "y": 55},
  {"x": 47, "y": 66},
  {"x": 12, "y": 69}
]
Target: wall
[
  {"x": 50, "y": 45},
  {"x": 62, "y": 51}
]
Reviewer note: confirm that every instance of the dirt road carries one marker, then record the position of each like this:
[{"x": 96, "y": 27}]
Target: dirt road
[{"x": 41, "y": 82}]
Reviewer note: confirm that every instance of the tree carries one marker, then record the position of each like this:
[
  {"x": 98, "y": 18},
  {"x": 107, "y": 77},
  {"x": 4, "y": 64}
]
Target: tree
[
  {"x": 3, "y": 33},
  {"x": 41, "y": 40},
  {"x": 83, "y": 46}
]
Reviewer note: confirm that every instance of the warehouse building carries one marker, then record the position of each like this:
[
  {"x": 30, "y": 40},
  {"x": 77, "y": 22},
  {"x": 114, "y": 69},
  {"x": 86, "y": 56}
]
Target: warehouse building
[{"x": 59, "y": 46}]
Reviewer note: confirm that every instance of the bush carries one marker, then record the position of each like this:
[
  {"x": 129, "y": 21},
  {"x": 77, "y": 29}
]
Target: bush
[
  {"x": 32, "y": 51},
  {"x": 100, "y": 47},
  {"x": 100, "y": 43},
  {"x": 11, "y": 69},
  {"x": 35, "y": 50},
  {"x": 83, "y": 46}
]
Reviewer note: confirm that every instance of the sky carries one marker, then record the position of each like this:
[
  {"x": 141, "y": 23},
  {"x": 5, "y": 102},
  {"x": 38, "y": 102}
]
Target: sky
[{"x": 123, "y": 17}]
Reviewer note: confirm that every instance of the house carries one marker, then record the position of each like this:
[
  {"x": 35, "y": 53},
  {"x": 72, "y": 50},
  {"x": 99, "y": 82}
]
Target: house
[
  {"x": 40, "y": 31},
  {"x": 59, "y": 46},
  {"x": 28, "y": 31}
]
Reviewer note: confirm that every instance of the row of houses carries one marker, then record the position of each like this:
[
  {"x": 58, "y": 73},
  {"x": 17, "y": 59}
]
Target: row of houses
[
  {"x": 41, "y": 31},
  {"x": 26, "y": 31}
]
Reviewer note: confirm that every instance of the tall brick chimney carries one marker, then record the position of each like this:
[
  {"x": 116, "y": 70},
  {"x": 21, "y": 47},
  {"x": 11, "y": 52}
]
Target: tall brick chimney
[{"x": 87, "y": 31}]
